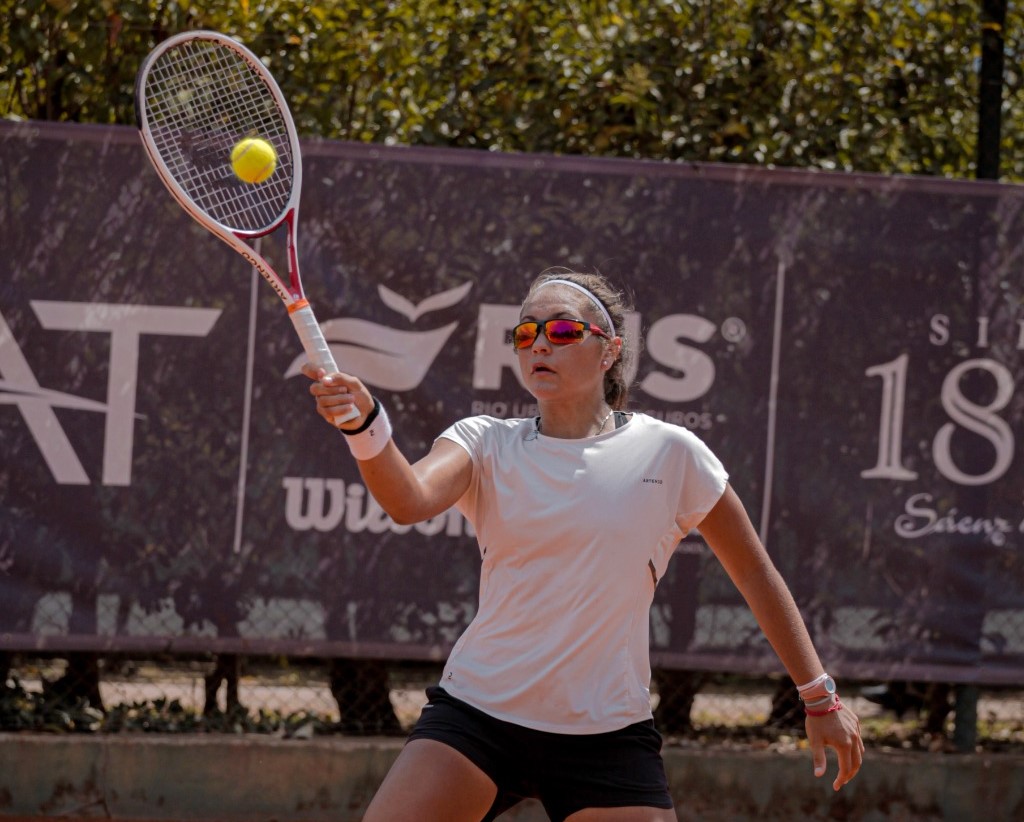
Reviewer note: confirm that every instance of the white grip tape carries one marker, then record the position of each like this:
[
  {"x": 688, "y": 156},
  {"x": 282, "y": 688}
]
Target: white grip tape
[
  {"x": 318, "y": 351},
  {"x": 369, "y": 441},
  {"x": 312, "y": 338}
]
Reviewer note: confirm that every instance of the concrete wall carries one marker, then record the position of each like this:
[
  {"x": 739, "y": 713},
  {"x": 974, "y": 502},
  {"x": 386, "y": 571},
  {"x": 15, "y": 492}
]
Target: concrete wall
[{"x": 259, "y": 779}]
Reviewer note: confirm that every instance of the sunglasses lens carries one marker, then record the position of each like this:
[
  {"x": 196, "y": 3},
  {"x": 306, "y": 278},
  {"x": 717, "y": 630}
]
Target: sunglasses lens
[
  {"x": 564, "y": 332},
  {"x": 524, "y": 334},
  {"x": 558, "y": 332}
]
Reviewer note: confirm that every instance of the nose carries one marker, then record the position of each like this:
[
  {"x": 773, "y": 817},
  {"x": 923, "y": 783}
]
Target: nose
[{"x": 541, "y": 343}]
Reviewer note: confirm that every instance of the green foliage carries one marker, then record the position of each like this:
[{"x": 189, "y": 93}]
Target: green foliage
[
  {"x": 870, "y": 85},
  {"x": 23, "y": 710},
  {"x": 47, "y": 712}
]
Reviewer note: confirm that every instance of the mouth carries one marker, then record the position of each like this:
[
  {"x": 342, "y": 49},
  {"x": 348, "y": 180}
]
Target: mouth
[{"x": 540, "y": 368}]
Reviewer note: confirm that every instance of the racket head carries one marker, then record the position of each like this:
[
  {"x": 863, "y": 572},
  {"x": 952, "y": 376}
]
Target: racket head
[{"x": 197, "y": 94}]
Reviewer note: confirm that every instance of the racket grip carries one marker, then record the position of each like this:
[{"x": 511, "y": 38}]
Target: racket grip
[{"x": 316, "y": 348}]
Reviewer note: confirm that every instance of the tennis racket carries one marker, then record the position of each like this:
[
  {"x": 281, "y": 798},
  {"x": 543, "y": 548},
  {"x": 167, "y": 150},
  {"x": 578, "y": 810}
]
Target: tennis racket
[{"x": 197, "y": 95}]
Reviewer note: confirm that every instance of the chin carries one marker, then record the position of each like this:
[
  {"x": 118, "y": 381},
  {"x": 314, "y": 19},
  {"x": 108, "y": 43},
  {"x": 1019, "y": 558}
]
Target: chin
[{"x": 542, "y": 392}]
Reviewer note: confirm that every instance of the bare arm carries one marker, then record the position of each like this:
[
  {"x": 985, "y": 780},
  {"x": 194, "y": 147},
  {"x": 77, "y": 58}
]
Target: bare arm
[
  {"x": 407, "y": 492},
  {"x": 731, "y": 536},
  {"x": 414, "y": 492}
]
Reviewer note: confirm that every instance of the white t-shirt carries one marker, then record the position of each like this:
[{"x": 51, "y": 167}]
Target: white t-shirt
[{"x": 571, "y": 535}]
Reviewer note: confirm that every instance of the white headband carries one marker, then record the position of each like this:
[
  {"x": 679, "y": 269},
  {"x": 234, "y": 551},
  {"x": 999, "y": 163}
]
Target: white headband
[{"x": 590, "y": 295}]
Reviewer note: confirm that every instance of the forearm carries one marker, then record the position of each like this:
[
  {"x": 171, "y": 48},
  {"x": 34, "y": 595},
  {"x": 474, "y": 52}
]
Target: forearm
[
  {"x": 780, "y": 620},
  {"x": 407, "y": 492},
  {"x": 732, "y": 537}
]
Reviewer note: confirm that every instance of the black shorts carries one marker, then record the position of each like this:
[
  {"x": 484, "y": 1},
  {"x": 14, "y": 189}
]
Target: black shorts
[{"x": 566, "y": 772}]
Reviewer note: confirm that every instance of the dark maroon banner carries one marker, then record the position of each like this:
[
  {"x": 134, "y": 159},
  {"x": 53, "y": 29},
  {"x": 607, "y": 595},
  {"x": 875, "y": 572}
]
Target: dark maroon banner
[{"x": 850, "y": 345}]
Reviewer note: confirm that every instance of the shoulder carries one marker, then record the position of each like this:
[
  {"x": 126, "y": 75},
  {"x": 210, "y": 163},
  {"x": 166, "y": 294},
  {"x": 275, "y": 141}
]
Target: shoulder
[
  {"x": 702, "y": 478},
  {"x": 648, "y": 426},
  {"x": 472, "y": 431},
  {"x": 672, "y": 438}
]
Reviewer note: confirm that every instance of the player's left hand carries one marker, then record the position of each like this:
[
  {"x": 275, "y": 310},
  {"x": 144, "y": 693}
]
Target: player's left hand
[{"x": 839, "y": 730}]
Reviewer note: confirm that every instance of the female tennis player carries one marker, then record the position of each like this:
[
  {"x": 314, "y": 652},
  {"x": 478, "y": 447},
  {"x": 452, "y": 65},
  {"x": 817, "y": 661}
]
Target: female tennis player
[{"x": 577, "y": 513}]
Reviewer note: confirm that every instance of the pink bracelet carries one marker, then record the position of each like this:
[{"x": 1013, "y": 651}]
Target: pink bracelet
[{"x": 838, "y": 706}]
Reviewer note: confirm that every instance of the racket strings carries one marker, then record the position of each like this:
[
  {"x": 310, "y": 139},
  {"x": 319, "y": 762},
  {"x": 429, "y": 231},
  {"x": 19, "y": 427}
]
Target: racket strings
[{"x": 201, "y": 99}]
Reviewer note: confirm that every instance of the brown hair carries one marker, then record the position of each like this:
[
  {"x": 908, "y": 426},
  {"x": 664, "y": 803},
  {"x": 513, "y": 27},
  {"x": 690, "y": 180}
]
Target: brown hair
[{"x": 616, "y": 389}]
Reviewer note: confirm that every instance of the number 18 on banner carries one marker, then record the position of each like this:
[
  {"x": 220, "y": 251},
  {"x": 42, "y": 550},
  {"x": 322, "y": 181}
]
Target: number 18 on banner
[{"x": 966, "y": 416}]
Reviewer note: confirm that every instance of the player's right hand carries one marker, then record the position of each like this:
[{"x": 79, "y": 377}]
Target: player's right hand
[{"x": 335, "y": 393}]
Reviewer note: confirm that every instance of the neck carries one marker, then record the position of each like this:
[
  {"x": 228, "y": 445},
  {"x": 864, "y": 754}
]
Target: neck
[{"x": 575, "y": 428}]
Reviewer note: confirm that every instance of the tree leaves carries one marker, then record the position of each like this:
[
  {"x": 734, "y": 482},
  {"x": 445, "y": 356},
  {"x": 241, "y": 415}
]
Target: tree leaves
[{"x": 867, "y": 85}]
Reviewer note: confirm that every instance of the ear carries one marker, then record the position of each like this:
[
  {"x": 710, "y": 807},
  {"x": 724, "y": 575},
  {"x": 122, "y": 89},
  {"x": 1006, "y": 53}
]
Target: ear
[{"x": 613, "y": 352}]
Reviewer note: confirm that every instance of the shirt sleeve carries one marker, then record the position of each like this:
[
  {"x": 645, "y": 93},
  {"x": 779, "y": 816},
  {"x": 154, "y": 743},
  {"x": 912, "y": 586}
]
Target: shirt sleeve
[
  {"x": 468, "y": 433},
  {"x": 704, "y": 481}
]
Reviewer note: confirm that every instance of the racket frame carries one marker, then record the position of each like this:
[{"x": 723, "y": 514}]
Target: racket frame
[{"x": 290, "y": 291}]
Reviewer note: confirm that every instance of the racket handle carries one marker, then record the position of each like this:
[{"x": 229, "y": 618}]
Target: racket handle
[{"x": 316, "y": 347}]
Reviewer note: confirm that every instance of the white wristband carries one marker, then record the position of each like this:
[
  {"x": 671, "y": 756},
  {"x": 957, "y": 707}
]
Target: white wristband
[
  {"x": 372, "y": 436},
  {"x": 812, "y": 683},
  {"x": 817, "y": 703}
]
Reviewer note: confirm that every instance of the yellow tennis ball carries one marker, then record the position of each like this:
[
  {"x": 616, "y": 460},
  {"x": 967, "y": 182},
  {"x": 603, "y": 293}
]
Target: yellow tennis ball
[{"x": 253, "y": 160}]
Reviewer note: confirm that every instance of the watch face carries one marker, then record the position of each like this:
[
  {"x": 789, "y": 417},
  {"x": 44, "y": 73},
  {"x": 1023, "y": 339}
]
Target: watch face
[{"x": 830, "y": 685}]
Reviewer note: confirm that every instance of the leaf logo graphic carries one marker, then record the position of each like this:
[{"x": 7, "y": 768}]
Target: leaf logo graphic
[
  {"x": 435, "y": 302},
  {"x": 385, "y": 357}
]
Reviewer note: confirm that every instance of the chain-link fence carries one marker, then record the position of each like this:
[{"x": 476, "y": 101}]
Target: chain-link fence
[{"x": 301, "y": 698}]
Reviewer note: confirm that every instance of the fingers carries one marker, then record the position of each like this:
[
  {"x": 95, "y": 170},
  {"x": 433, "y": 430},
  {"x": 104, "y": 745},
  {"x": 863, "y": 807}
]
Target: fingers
[
  {"x": 840, "y": 731},
  {"x": 311, "y": 371},
  {"x": 846, "y": 769},
  {"x": 850, "y": 760},
  {"x": 818, "y": 753},
  {"x": 330, "y": 386},
  {"x": 337, "y": 395},
  {"x": 333, "y": 396},
  {"x": 851, "y": 753}
]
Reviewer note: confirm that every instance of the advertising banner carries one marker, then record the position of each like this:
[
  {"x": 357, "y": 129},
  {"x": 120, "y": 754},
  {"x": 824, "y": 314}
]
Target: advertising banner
[{"x": 851, "y": 346}]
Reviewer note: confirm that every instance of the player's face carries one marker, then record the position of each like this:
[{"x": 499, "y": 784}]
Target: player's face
[{"x": 563, "y": 371}]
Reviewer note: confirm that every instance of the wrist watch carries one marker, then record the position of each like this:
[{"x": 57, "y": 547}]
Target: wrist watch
[{"x": 821, "y": 690}]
